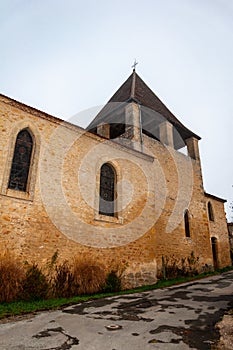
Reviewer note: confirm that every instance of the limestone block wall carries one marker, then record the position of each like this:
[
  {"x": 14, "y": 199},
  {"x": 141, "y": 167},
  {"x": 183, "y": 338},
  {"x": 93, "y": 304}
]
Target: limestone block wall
[
  {"x": 230, "y": 231},
  {"x": 60, "y": 210},
  {"x": 218, "y": 229},
  {"x": 182, "y": 180}
]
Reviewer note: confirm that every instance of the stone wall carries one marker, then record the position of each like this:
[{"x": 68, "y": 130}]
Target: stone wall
[
  {"x": 183, "y": 181},
  {"x": 59, "y": 212},
  {"x": 230, "y": 232},
  {"x": 218, "y": 229}
]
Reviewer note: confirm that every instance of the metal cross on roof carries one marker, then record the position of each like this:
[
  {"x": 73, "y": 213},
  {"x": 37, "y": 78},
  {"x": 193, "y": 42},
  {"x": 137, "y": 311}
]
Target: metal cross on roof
[{"x": 134, "y": 65}]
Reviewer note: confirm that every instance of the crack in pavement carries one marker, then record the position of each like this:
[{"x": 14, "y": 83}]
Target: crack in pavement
[{"x": 49, "y": 332}]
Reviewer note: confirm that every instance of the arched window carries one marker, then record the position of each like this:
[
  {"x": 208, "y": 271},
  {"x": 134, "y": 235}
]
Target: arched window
[
  {"x": 210, "y": 212},
  {"x": 107, "y": 190},
  {"x": 186, "y": 223},
  {"x": 20, "y": 166}
]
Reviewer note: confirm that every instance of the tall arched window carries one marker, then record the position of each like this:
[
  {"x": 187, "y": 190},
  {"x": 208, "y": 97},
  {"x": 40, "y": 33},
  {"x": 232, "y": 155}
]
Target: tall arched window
[
  {"x": 21, "y": 161},
  {"x": 210, "y": 212},
  {"x": 107, "y": 190},
  {"x": 186, "y": 223}
]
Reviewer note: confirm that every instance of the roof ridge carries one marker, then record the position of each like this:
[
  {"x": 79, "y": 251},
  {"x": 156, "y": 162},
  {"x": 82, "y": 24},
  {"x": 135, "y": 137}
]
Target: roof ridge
[{"x": 132, "y": 93}]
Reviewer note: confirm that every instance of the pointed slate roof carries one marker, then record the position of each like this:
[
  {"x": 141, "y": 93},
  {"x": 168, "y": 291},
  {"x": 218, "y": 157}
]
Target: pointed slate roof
[{"x": 135, "y": 89}]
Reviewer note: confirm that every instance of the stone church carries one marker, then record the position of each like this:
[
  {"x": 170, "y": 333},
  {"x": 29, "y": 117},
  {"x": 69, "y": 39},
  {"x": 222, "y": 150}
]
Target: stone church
[{"x": 127, "y": 190}]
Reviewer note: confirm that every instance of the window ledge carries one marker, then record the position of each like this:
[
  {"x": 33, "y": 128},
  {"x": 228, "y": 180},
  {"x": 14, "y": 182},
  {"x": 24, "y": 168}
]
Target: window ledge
[
  {"x": 106, "y": 218},
  {"x": 18, "y": 194}
]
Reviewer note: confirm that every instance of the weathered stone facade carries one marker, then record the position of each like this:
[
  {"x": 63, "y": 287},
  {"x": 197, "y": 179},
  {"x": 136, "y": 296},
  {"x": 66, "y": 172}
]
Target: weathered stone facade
[
  {"x": 230, "y": 232},
  {"x": 218, "y": 229},
  {"x": 154, "y": 185}
]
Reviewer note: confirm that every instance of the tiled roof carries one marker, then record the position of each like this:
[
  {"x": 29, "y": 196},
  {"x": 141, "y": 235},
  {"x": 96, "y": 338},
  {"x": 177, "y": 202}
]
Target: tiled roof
[
  {"x": 215, "y": 197},
  {"x": 135, "y": 89}
]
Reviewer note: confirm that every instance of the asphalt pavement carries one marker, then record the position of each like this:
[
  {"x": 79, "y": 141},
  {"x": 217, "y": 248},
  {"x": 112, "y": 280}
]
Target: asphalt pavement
[{"x": 179, "y": 317}]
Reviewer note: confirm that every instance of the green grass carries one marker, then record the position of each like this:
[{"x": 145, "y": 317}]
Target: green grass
[{"x": 25, "y": 307}]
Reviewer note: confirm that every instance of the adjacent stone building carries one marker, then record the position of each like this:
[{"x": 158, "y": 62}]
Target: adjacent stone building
[
  {"x": 126, "y": 191},
  {"x": 230, "y": 231}
]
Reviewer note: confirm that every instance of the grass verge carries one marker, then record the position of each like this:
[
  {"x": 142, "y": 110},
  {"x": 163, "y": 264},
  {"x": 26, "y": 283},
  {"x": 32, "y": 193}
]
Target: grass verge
[{"x": 25, "y": 307}]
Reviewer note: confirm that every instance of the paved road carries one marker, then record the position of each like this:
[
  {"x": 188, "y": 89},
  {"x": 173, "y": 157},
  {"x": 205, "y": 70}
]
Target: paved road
[{"x": 180, "y": 317}]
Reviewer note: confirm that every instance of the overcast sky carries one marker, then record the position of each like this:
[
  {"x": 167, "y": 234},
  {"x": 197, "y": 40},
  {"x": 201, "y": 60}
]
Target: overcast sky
[{"x": 65, "y": 56}]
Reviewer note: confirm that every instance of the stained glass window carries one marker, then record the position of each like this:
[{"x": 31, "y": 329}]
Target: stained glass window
[
  {"x": 107, "y": 190},
  {"x": 21, "y": 161}
]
